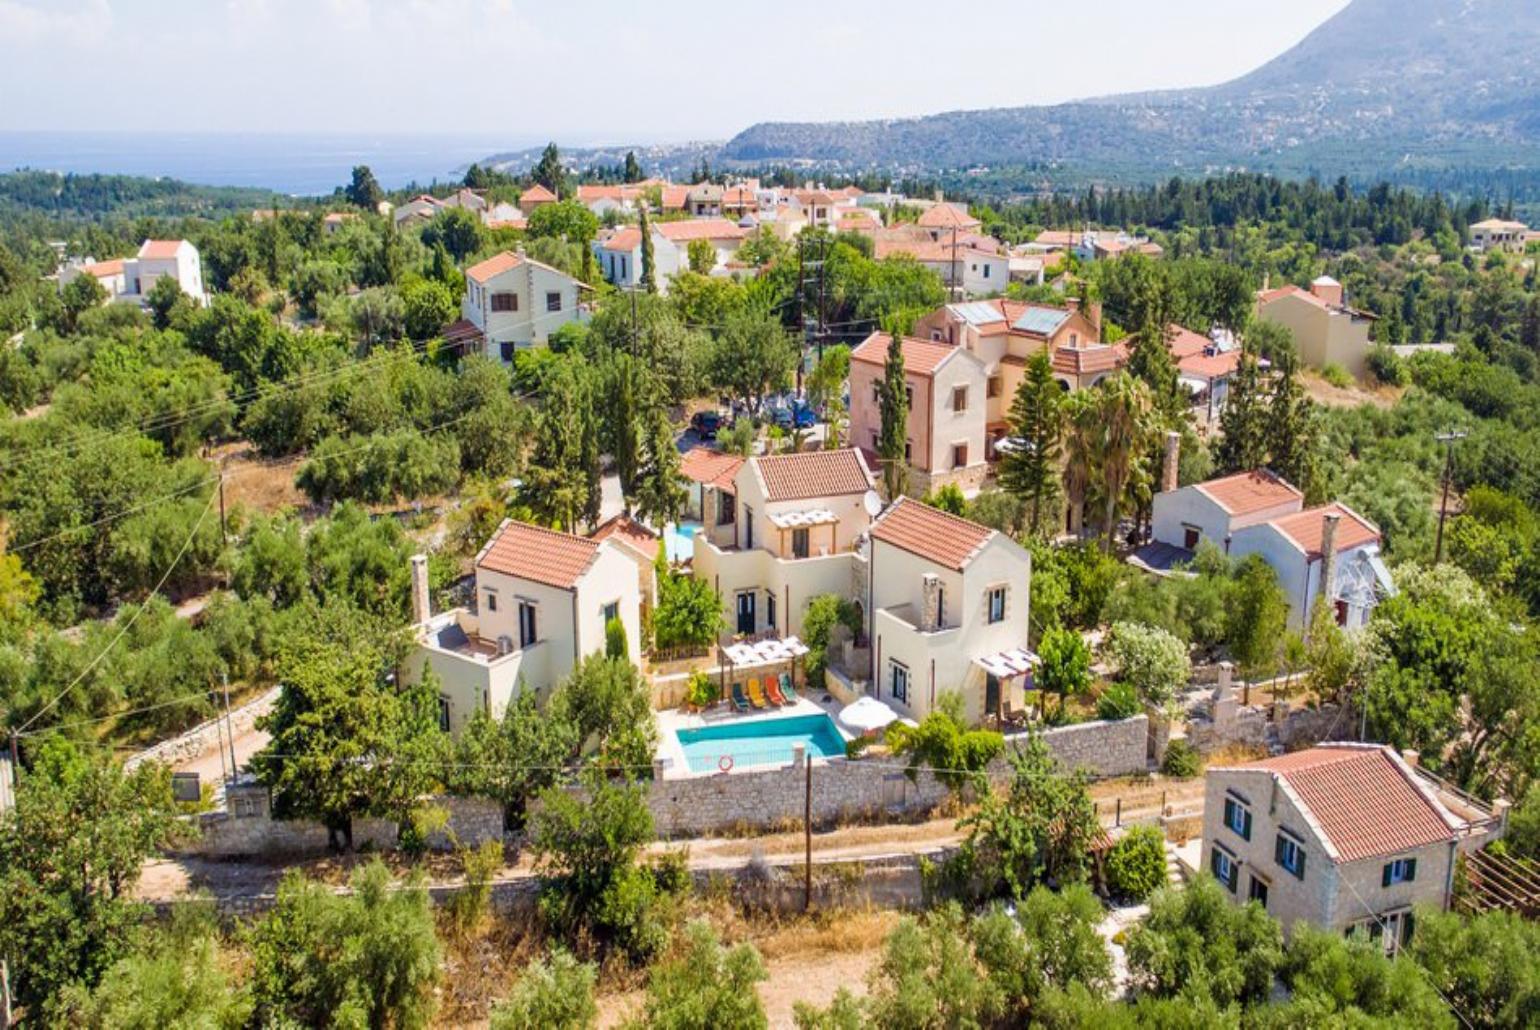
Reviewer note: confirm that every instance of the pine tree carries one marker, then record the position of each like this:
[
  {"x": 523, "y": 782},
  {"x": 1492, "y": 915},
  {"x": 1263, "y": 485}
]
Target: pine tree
[
  {"x": 1036, "y": 420},
  {"x": 549, "y": 172},
  {"x": 633, "y": 171},
  {"x": 649, "y": 275},
  {"x": 364, "y": 191},
  {"x": 1291, "y": 427},
  {"x": 1242, "y": 443},
  {"x": 1529, "y": 329},
  {"x": 660, "y": 493},
  {"x": 893, "y": 394}
]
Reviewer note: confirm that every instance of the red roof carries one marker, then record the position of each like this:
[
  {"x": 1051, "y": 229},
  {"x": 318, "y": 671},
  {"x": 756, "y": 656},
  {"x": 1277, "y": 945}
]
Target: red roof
[
  {"x": 1184, "y": 343},
  {"x": 623, "y": 241},
  {"x": 709, "y": 467},
  {"x": 701, "y": 229},
  {"x": 1307, "y": 529},
  {"x": 536, "y": 194},
  {"x": 1087, "y": 360},
  {"x": 1246, "y": 493},
  {"x": 495, "y": 265},
  {"x": 931, "y": 533},
  {"x": 538, "y": 554},
  {"x": 947, "y": 216},
  {"x": 1364, "y": 800},
  {"x": 102, "y": 269},
  {"x": 626, "y": 530},
  {"x": 921, "y": 357},
  {"x": 160, "y": 249},
  {"x": 809, "y": 474}
]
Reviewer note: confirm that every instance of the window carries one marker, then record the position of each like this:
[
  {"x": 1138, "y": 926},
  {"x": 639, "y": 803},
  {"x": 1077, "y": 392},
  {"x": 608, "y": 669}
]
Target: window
[
  {"x": 959, "y": 398},
  {"x": 1258, "y": 891},
  {"x": 770, "y": 609},
  {"x": 908, "y": 449},
  {"x": 1190, "y": 537},
  {"x": 1074, "y": 339},
  {"x": 876, "y": 393},
  {"x": 909, "y": 397},
  {"x": 727, "y": 509},
  {"x": 1402, "y": 870},
  {"x": 553, "y": 301},
  {"x": 1290, "y": 854},
  {"x": 527, "y": 625},
  {"x": 505, "y": 302},
  {"x": 491, "y": 601},
  {"x": 992, "y": 389},
  {"x": 443, "y": 713},
  {"x": 898, "y": 677},
  {"x": 506, "y": 349},
  {"x": 997, "y": 605},
  {"x": 940, "y": 607},
  {"x": 986, "y": 271},
  {"x": 799, "y": 543},
  {"x": 624, "y": 269},
  {"x": 1225, "y": 868},
  {"x": 935, "y": 335},
  {"x": 1238, "y": 818},
  {"x": 610, "y": 612},
  {"x": 959, "y": 455}
]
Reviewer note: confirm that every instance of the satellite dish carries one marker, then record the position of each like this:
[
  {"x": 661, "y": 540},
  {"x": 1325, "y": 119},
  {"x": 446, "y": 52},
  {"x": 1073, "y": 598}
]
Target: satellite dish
[{"x": 873, "y": 503}]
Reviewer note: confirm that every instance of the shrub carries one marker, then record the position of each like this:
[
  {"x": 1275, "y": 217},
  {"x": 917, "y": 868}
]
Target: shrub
[
  {"x": 555, "y": 992},
  {"x": 1137, "y": 864},
  {"x": 703, "y": 691},
  {"x": 1336, "y": 375},
  {"x": 469, "y": 905},
  {"x": 1151, "y": 660},
  {"x": 707, "y": 985},
  {"x": 1118, "y": 701},
  {"x": 1196, "y": 941},
  {"x": 1181, "y": 761},
  {"x": 941, "y": 743},
  {"x": 824, "y": 612},
  {"x": 1386, "y": 365},
  {"x": 615, "y": 645}
]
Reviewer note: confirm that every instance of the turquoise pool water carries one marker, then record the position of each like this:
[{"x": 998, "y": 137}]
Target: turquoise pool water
[
  {"x": 759, "y": 742},
  {"x": 679, "y": 541}
]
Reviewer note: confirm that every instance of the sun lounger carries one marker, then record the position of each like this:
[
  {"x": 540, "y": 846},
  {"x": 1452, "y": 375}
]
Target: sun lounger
[
  {"x": 773, "y": 692},
  {"x": 756, "y": 695},
  {"x": 787, "y": 690},
  {"x": 739, "y": 701}
]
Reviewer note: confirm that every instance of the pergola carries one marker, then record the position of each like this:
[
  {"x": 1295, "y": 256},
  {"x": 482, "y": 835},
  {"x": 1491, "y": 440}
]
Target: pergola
[
  {"x": 757, "y": 654},
  {"x": 794, "y": 520},
  {"x": 1005, "y": 666}
]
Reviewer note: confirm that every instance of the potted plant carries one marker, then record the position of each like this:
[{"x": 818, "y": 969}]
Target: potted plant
[{"x": 701, "y": 693}]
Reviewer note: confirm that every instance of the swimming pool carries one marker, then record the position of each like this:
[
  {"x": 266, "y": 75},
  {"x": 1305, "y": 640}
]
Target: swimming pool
[
  {"x": 752, "y": 742},
  {"x": 679, "y": 541}
]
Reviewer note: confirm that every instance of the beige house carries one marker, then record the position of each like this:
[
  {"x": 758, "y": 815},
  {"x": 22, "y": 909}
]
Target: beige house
[
  {"x": 1326, "y": 331},
  {"x": 783, "y": 531},
  {"x": 948, "y": 400},
  {"x": 1341, "y": 836},
  {"x": 950, "y": 603},
  {"x": 543, "y": 599},
  {"x": 512, "y": 302},
  {"x": 1500, "y": 234}
]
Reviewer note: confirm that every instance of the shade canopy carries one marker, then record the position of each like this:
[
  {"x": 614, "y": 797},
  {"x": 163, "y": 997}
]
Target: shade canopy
[
  {"x": 1005, "y": 664},
  {"x": 866, "y": 714},
  {"x": 751, "y": 654}
]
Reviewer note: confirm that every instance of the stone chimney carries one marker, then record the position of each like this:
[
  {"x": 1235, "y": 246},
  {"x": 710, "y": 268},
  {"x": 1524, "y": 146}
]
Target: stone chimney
[
  {"x": 1328, "y": 289},
  {"x": 1411, "y": 757},
  {"x": 709, "y": 508},
  {"x": 1329, "y": 556},
  {"x": 1093, "y": 314},
  {"x": 930, "y": 602},
  {"x": 940, "y": 197},
  {"x": 1225, "y": 705},
  {"x": 1171, "y": 465},
  {"x": 422, "y": 608}
]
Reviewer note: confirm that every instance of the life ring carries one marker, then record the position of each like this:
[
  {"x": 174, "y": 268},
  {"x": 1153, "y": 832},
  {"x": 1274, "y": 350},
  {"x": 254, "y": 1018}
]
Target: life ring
[{"x": 725, "y": 763}]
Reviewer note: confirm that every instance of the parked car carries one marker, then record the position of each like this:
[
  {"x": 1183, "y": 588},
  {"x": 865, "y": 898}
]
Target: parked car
[
  {"x": 794, "y": 415},
  {"x": 706, "y": 424}
]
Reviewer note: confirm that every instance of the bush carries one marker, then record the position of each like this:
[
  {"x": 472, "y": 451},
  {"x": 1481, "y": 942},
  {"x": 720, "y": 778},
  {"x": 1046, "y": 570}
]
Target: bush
[
  {"x": 1386, "y": 366},
  {"x": 1152, "y": 661},
  {"x": 1119, "y": 701},
  {"x": 1137, "y": 864},
  {"x": 1181, "y": 762},
  {"x": 470, "y": 904},
  {"x": 555, "y": 992},
  {"x": 1336, "y": 375},
  {"x": 941, "y": 743},
  {"x": 703, "y": 691},
  {"x": 707, "y": 985},
  {"x": 824, "y": 612},
  {"x": 1197, "y": 941},
  {"x": 615, "y": 645}
]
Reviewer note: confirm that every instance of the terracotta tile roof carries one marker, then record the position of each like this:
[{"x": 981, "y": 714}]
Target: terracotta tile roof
[
  {"x": 1097, "y": 357},
  {"x": 1306, "y": 528},
  {"x": 674, "y": 197},
  {"x": 102, "y": 269},
  {"x": 508, "y": 223},
  {"x": 1184, "y": 343},
  {"x": 628, "y": 532},
  {"x": 1363, "y": 799},
  {"x": 495, "y": 265},
  {"x": 536, "y": 194},
  {"x": 931, "y": 533},
  {"x": 809, "y": 474},
  {"x": 623, "y": 241},
  {"x": 1269, "y": 296},
  {"x": 160, "y": 249},
  {"x": 921, "y": 357},
  {"x": 711, "y": 468},
  {"x": 538, "y": 554},
  {"x": 1210, "y": 366},
  {"x": 596, "y": 192},
  {"x": 1245, "y": 493},
  {"x": 947, "y": 216},
  {"x": 926, "y": 250},
  {"x": 701, "y": 229}
]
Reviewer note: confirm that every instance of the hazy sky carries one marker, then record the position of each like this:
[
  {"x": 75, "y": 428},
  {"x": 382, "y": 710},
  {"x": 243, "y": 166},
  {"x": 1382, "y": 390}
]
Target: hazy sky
[{"x": 602, "y": 70}]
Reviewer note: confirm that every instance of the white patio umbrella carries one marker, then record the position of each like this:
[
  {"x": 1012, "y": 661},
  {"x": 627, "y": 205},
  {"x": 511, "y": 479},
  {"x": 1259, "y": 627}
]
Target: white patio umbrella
[{"x": 865, "y": 715}]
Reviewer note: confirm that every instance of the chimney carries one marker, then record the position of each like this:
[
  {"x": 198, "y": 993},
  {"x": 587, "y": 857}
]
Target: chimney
[
  {"x": 709, "y": 508},
  {"x": 940, "y": 197},
  {"x": 1329, "y": 555},
  {"x": 1172, "y": 464},
  {"x": 1411, "y": 757},
  {"x": 930, "y": 602},
  {"x": 1328, "y": 289},
  {"x": 422, "y": 609},
  {"x": 1093, "y": 314}
]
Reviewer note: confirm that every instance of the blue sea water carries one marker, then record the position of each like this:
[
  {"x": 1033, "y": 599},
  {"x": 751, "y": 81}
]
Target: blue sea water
[{"x": 296, "y": 164}]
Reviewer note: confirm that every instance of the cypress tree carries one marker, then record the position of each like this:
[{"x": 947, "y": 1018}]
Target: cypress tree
[
  {"x": 649, "y": 275},
  {"x": 1242, "y": 443},
  {"x": 894, "y": 397}
]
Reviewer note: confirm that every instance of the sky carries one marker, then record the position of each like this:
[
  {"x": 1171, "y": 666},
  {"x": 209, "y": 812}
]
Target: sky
[{"x": 599, "y": 71}]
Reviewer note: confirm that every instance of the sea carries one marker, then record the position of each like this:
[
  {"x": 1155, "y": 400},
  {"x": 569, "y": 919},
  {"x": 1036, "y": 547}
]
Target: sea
[{"x": 296, "y": 164}]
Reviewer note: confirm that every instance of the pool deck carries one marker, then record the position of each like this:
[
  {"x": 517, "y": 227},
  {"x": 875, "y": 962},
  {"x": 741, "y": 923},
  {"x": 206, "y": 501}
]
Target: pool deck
[{"x": 676, "y": 767}]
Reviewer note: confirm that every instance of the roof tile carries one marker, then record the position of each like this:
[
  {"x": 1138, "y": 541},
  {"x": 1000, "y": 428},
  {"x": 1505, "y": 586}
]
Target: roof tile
[
  {"x": 931, "y": 533},
  {"x": 538, "y": 554},
  {"x": 809, "y": 474},
  {"x": 921, "y": 357},
  {"x": 1246, "y": 493}
]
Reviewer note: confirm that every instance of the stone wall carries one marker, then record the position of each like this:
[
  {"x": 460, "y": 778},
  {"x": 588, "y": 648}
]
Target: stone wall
[
  {"x": 205, "y": 738},
  {"x": 247, "y": 830},
  {"x": 868, "y": 789}
]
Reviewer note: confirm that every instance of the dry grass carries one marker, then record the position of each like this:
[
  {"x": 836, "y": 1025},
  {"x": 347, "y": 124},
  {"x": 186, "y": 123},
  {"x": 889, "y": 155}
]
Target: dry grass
[
  {"x": 824, "y": 933},
  {"x": 1319, "y": 390},
  {"x": 252, "y": 483}
]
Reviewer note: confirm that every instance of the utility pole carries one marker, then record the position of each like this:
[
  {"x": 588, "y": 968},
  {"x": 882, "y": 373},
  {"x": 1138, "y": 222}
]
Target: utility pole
[
  {"x": 224, "y": 535},
  {"x": 1448, "y": 439},
  {"x": 807, "y": 836},
  {"x": 224, "y": 679}
]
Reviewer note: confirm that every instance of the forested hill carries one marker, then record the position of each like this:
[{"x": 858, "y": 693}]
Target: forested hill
[
  {"x": 95, "y": 196},
  {"x": 1384, "y": 82}
]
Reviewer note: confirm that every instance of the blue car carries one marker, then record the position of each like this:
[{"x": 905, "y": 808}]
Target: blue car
[{"x": 796, "y": 415}]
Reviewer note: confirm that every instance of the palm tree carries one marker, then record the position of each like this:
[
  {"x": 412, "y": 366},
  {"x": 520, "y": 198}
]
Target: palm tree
[
  {"x": 1080, "y": 453},
  {"x": 1125, "y": 410}
]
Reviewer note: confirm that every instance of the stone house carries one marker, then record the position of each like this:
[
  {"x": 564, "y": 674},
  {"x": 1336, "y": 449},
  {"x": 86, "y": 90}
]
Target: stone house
[
  {"x": 1326, "y": 330},
  {"x": 513, "y": 302}
]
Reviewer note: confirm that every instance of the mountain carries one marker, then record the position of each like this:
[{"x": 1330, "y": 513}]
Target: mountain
[{"x": 1436, "y": 82}]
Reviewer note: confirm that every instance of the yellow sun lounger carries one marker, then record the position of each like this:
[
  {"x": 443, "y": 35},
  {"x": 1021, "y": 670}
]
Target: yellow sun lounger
[{"x": 757, "y": 695}]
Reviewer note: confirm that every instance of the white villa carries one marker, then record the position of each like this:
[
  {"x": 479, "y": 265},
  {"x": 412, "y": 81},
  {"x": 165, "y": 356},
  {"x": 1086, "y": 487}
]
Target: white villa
[
  {"x": 543, "y": 599},
  {"x": 512, "y": 302},
  {"x": 950, "y": 602},
  {"x": 130, "y": 280}
]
